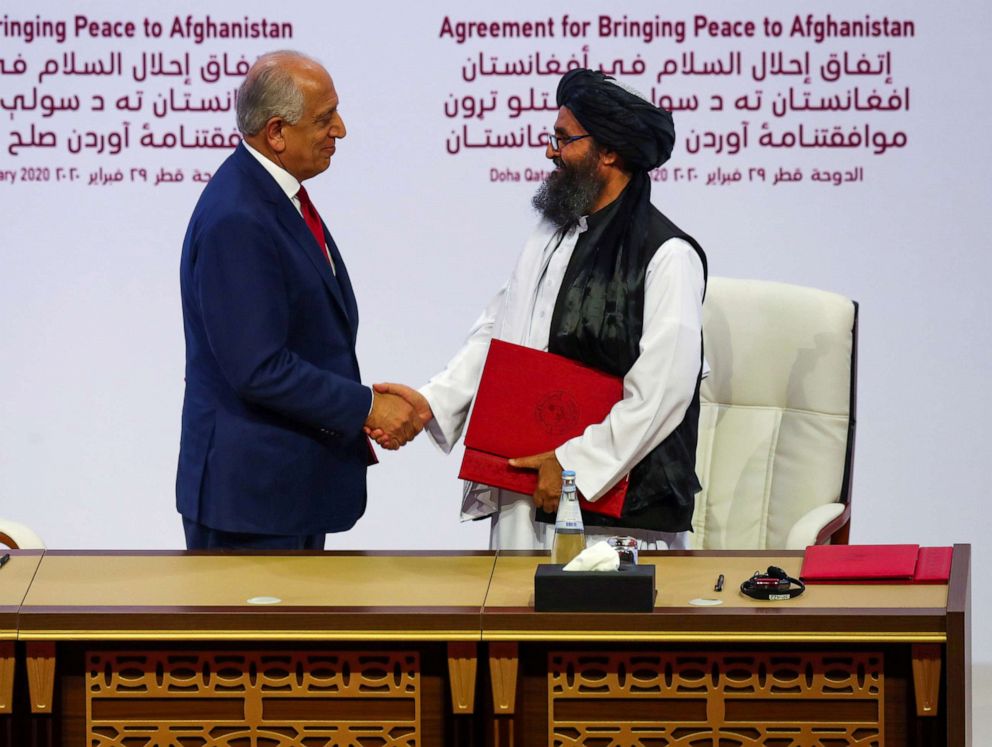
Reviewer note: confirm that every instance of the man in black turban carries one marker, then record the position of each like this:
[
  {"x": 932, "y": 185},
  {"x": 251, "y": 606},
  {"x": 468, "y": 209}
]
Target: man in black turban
[{"x": 608, "y": 281}]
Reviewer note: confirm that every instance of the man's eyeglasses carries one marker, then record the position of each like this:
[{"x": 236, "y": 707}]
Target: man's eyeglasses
[{"x": 557, "y": 143}]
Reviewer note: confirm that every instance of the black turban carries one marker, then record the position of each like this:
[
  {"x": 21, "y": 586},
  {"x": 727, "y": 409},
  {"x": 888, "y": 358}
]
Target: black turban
[{"x": 641, "y": 133}]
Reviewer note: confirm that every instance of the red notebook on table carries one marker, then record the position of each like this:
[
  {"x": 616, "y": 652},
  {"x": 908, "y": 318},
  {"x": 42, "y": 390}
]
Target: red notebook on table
[
  {"x": 853, "y": 563},
  {"x": 886, "y": 564},
  {"x": 529, "y": 402},
  {"x": 933, "y": 565}
]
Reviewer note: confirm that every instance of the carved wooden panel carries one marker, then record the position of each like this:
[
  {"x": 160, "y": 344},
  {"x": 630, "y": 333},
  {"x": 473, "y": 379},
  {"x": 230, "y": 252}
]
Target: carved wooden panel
[
  {"x": 463, "y": 662},
  {"x": 504, "y": 662},
  {"x": 41, "y": 675},
  {"x": 253, "y": 699},
  {"x": 926, "y": 677},
  {"x": 6, "y": 676},
  {"x": 688, "y": 699}
]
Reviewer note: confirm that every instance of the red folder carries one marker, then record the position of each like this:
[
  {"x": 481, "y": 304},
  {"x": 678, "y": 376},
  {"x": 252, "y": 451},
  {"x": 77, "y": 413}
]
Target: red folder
[
  {"x": 859, "y": 563},
  {"x": 529, "y": 402},
  {"x": 878, "y": 564},
  {"x": 933, "y": 565}
]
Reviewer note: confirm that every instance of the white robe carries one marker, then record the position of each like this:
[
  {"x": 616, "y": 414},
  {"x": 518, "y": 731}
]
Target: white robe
[{"x": 657, "y": 389}]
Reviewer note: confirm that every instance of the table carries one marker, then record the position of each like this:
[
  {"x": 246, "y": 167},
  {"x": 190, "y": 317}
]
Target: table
[
  {"x": 855, "y": 664},
  {"x": 139, "y": 648},
  {"x": 150, "y": 648}
]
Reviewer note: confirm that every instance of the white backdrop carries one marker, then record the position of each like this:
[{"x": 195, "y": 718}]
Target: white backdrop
[{"x": 92, "y": 350}]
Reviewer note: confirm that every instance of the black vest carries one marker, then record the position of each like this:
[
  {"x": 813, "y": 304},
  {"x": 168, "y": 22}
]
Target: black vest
[{"x": 662, "y": 488}]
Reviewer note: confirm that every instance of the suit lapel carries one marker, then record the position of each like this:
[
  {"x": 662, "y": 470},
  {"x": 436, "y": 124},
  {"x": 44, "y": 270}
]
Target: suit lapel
[
  {"x": 291, "y": 220},
  {"x": 344, "y": 282}
]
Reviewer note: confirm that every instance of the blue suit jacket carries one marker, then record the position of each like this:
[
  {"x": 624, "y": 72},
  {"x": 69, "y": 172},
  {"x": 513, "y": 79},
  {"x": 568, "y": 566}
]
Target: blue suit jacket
[{"x": 272, "y": 439}]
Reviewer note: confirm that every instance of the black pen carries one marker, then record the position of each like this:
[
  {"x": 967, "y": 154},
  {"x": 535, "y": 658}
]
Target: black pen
[
  {"x": 4, "y": 559},
  {"x": 718, "y": 586}
]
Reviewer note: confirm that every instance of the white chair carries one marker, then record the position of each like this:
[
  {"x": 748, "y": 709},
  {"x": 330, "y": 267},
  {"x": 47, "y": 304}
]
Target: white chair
[
  {"x": 777, "y": 415},
  {"x": 19, "y": 537}
]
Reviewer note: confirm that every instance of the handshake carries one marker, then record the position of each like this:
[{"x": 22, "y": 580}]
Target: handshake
[{"x": 398, "y": 414}]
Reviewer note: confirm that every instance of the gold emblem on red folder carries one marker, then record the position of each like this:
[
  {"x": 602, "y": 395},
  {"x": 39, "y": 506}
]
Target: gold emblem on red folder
[{"x": 557, "y": 412}]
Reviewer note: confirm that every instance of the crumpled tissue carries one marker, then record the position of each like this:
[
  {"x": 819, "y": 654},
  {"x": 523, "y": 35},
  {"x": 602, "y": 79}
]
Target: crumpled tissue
[{"x": 598, "y": 557}]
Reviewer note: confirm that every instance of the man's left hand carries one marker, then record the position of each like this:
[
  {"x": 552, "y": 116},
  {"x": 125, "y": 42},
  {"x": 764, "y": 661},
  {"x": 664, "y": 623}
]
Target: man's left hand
[{"x": 548, "y": 478}]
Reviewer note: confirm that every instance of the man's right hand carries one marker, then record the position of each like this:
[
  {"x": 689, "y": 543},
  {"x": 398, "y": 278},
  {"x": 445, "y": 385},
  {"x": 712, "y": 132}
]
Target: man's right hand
[
  {"x": 417, "y": 400},
  {"x": 394, "y": 419},
  {"x": 414, "y": 398}
]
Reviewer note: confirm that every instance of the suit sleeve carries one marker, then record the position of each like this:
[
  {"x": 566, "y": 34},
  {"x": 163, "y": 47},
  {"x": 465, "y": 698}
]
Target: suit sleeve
[
  {"x": 659, "y": 386},
  {"x": 242, "y": 293}
]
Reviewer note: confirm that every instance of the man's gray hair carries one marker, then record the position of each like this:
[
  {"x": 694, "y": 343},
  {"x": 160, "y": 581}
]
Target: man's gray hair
[{"x": 270, "y": 90}]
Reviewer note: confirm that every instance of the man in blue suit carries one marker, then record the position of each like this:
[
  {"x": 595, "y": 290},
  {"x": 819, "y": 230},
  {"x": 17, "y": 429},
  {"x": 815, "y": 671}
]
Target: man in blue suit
[{"x": 273, "y": 452}]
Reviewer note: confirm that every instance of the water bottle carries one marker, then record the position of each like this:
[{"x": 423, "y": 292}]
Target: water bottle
[{"x": 570, "y": 536}]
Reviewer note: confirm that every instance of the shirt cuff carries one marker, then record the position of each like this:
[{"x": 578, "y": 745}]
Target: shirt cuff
[{"x": 434, "y": 427}]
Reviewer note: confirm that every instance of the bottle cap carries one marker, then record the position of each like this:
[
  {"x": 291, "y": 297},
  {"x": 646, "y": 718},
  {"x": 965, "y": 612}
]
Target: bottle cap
[{"x": 568, "y": 473}]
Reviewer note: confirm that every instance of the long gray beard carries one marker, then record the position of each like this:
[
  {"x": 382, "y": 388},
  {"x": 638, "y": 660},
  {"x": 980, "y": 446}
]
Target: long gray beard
[{"x": 568, "y": 193}]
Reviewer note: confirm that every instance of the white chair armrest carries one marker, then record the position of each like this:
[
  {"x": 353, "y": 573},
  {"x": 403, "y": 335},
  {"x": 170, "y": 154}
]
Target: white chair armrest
[
  {"x": 23, "y": 537},
  {"x": 803, "y": 532}
]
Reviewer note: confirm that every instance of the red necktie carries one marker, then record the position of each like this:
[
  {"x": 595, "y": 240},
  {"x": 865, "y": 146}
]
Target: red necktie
[{"x": 312, "y": 219}]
